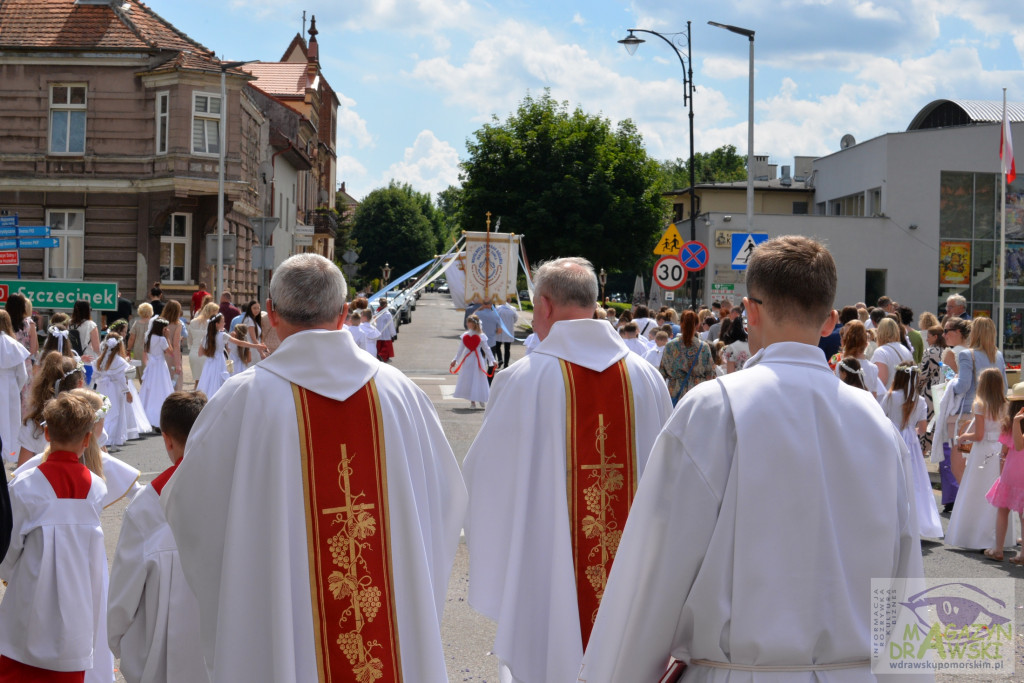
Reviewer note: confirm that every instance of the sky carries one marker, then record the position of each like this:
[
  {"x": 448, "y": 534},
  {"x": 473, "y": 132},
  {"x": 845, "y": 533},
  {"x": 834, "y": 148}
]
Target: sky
[{"x": 416, "y": 78}]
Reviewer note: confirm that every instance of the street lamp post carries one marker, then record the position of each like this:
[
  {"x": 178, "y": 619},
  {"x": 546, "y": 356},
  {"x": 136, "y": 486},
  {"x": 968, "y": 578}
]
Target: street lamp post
[
  {"x": 602, "y": 277},
  {"x": 221, "y": 153},
  {"x": 386, "y": 273},
  {"x": 750, "y": 122},
  {"x": 631, "y": 43}
]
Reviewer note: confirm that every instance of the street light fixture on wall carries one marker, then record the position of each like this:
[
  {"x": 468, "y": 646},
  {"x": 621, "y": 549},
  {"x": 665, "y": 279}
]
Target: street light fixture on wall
[
  {"x": 750, "y": 121},
  {"x": 676, "y": 41}
]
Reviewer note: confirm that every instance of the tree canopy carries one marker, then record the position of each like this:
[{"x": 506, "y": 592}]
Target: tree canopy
[
  {"x": 396, "y": 225},
  {"x": 718, "y": 166},
  {"x": 567, "y": 181}
]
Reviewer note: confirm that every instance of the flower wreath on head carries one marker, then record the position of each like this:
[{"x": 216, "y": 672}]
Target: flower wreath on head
[
  {"x": 79, "y": 367},
  {"x": 849, "y": 368},
  {"x": 101, "y": 412}
]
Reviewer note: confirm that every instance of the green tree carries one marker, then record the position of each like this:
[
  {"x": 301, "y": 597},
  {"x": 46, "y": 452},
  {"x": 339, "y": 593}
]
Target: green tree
[
  {"x": 390, "y": 227},
  {"x": 718, "y": 166},
  {"x": 449, "y": 206},
  {"x": 567, "y": 181}
]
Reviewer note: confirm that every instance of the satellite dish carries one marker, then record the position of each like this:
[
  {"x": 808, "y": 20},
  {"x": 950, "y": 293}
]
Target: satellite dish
[
  {"x": 847, "y": 141},
  {"x": 265, "y": 173}
]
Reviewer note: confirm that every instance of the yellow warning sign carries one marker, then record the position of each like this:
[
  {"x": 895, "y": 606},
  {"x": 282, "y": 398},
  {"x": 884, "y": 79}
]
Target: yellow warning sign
[{"x": 670, "y": 243}]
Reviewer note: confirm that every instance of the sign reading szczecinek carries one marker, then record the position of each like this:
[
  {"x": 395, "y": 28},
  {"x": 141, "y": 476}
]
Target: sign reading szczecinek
[{"x": 63, "y": 295}]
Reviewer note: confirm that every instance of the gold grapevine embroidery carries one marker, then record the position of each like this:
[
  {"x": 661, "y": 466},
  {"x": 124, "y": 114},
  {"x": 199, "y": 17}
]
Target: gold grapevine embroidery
[
  {"x": 353, "y": 582},
  {"x": 600, "y": 525}
]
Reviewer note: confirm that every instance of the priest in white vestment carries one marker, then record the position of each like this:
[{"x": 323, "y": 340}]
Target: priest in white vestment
[
  {"x": 760, "y": 522},
  {"x": 522, "y": 570},
  {"x": 318, "y": 507}
]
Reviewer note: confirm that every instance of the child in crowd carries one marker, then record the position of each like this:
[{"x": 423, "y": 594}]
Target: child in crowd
[
  {"x": 654, "y": 354},
  {"x": 241, "y": 356},
  {"x": 906, "y": 409},
  {"x": 472, "y": 384},
  {"x": 56, "y": 373},
  {"x": 1008, "y": 492},
  {"x": 56, "y": 563},
  {"x": 973, "y": 521},
  {"x": 156, "y": 379},
  {"x": 213, "y": 346},
  {"x": 850, "y": 372},
  {"x": 630, "y": 335},
  {"x": 370, "y": 333},
  {"x": 13, "y": 376},
  {"x": 57, "y": 337},
  {"x": 153, "y": 617},
  {"x": 352, "y": 325},
  {"x": 111, "y": 381}
]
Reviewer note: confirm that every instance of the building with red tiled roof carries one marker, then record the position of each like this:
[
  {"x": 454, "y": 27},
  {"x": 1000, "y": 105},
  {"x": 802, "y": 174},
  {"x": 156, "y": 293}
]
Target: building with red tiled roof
[
  {"x": 111, "y": 137},
  {"x": 298, "y": 84}
]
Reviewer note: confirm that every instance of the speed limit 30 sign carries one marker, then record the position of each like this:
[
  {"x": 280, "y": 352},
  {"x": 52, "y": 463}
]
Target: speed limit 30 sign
[{"x": 669, "y": 273}]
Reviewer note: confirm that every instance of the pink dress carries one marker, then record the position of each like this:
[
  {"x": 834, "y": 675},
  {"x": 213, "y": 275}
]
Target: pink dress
[{"x": 1008, "y": 489}]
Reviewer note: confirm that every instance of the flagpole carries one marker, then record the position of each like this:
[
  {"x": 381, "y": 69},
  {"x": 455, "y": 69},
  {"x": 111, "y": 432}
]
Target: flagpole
[{"x": 1002, "y": 229}]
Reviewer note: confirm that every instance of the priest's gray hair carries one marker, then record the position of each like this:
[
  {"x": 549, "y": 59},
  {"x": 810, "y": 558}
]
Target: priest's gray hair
[
  {"x": 569, "y": 281},
  {"x": 308, "y": 290}
]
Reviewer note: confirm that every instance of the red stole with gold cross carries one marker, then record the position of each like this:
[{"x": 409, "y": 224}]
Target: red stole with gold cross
[
  {"x": 344, "y": 478},
  {"x": 601, "y": 475}
]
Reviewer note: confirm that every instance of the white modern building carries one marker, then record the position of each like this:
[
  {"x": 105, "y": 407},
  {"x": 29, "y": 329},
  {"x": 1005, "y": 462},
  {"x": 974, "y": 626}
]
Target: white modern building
[{"x": 914, "y": 215}]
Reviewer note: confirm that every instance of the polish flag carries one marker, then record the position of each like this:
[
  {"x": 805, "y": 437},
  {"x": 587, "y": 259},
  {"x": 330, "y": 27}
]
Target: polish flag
[{"x": 1006, "y": 149}]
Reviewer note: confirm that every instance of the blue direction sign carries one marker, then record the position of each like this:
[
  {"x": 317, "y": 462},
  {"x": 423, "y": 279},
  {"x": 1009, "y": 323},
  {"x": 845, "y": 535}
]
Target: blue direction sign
[
  {"x": 39, "y": 243},
  {"x": 694, "y": 256},
  {"x": 8, "y": 221},
  {"x": 33, "y": 243},
  {"x": 743, "y": 244},
  {"x": 25, "y": 231}
]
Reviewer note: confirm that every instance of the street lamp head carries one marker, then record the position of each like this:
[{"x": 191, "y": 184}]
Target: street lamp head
[
  {"x": 735, "y": 29},
  {"x": 631, "y": 43}
]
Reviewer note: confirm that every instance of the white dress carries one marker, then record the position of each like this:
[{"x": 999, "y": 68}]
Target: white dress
[
  {"x": 928, "y": 521},
  {"x": 472, "y": 383},
  {"x": 13, "y": 376},
  {"x": 235, "y": 354},
  {"x": 215, "y": 370},
  {"x": 973, "y": 522},
  {"x": 156, "y": 380},
  {"x": 138, "y": 423},
  {"x": 113, "y": 384},
  {"x": 196, "y": 332}
]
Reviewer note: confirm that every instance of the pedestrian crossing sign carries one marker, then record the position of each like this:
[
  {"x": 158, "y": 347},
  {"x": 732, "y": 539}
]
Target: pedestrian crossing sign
[
  {"x": 743, "y": 244},
  {"x": 670, "y": 243}
]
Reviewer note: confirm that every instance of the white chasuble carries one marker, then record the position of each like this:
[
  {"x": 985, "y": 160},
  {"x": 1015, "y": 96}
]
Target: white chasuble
[{"x": 242, "y": 505}]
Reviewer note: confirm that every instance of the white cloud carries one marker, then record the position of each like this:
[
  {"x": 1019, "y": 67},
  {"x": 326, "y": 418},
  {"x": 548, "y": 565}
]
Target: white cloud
[
  {"x": 352, "y": 130},
  {"x": 430, "y": 165},
  {"x": 725, "y": 68},
  {"x": 578, "y": 19},
  {"x": 411, "y": 16}
]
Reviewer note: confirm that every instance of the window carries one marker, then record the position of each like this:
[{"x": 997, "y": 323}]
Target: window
[
  {"x": 175, "y": 248},
  {"x": 205, "y": 123},
  {"x": 163, "y": 112},
  {"x": 65, "y": 262},
  {"x": 799, "y": 208},
  {"x": 67, "y": 118}
]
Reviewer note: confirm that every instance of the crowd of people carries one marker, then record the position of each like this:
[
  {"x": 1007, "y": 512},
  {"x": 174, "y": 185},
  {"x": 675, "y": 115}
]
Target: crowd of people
[{"x": 629, "y": 503}]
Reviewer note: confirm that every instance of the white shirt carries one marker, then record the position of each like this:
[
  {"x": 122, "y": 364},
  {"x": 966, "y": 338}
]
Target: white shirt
[
  {"x": 517, "y": 530},
  {"x": 238, "y": 512},
  {"x": 56, "y": 569},
  {"x": 717, "y": 563},
  {"x": 508, "y": 317},
  {"x": 368, "y": 336},
  {"x": 152, "y": 614}
]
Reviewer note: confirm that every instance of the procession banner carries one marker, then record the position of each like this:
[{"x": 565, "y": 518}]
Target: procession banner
[
  {"x": 456, "y": 279},
  {"x": 490, "y": 266}
]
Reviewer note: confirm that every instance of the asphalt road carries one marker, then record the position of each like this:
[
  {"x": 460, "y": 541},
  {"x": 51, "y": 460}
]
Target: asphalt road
[{"x": 423, "y": 351}]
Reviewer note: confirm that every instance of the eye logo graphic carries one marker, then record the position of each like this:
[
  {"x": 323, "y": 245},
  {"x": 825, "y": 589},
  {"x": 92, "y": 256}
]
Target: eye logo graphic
[{"x": 957, "y": 608}]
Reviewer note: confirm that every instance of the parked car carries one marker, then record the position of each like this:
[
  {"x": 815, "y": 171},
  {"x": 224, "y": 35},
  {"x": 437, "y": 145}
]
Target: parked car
[
  {"x": 401, "y": 306},
  {"x": 524, "y": 295},
  {"x": 443, "y": 288}
]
